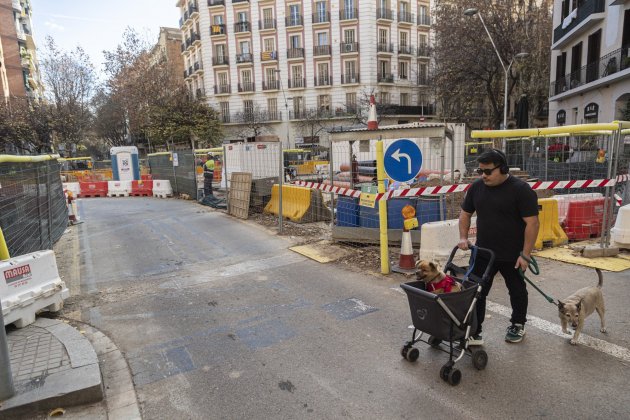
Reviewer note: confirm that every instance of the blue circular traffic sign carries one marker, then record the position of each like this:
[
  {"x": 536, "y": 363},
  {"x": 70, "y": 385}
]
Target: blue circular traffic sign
[{"x": 403, "y": 160}]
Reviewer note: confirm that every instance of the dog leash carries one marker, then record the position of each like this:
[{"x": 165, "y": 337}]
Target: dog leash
[{"x": 532, "y": 264}]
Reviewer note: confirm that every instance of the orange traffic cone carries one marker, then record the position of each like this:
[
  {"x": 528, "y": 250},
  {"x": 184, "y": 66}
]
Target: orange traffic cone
[
  {"x": 72, "y": 210},
  {"x": 407, "y": 262},
  {"x": 372, "y": 123}
]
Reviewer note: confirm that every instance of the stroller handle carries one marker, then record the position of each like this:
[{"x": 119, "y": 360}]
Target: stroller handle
[{"x": 476, "y": 249}]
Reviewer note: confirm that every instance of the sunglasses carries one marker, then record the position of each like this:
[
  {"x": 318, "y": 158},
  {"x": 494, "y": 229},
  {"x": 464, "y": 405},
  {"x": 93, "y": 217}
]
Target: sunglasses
[{"x": 486, "y": 171}]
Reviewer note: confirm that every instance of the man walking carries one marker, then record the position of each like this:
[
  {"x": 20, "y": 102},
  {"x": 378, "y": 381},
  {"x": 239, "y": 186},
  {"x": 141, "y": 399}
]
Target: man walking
[
  {"x": 507, "y": 223},
  {"x": 208, "y": 175}
]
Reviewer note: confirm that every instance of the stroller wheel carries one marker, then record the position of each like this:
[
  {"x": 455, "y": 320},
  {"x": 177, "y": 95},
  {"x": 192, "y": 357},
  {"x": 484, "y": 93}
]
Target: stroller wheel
[
  {"x": 444, "y": 372},
  {"x": 434, "y": 342},
  {"x": 411, "y": 354},
  {"x": 454, "y": 377},
  {"x": 479, "y": 359}
]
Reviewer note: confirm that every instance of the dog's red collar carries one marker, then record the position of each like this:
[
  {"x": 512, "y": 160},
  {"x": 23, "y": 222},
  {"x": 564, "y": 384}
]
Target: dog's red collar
[{"x": 446, "y": 283}]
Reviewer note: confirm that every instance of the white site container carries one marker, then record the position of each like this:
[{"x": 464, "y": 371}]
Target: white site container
[
  {"x": 261, "y": 159},
  {"x": 620, "y": 233},
  {"x": 565, "y": 199},
  {"x": 73, "y": 187},
  {"x": 118, "y": 188},
  {"x": 162, "y": 188},
  {"x": 30, "y": 284},
  {"x": 437, "y": 239}
]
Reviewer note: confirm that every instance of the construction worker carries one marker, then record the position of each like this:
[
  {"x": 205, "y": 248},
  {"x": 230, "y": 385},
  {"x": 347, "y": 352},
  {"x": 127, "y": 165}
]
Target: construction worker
[{"x": 208, "y": 175}]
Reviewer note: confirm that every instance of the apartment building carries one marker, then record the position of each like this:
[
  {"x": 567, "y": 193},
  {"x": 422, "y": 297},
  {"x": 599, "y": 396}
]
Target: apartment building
[
  {"x": 295, "y": 59},
  {"x": 19, "y": 76},
  {"x": 168, "y": 49},
  {"x": 590, "y": 61}
]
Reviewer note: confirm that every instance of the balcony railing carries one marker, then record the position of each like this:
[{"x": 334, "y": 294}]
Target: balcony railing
[
  {"x": 423, "y": 80},
  {"x": 190, "y": 70},
  {"x": 349, "y": 47},
  {"x": 296, "y": 20},
  {"x": 384, "y": 14},
  {"x": 267, "y": 24},
  {"x": 297, "y": 115},
  {"x": 322, "y": 80},
  {"x": 406, "y": 17},
  {"x": 198, "y": 67},
  {"x": 194, "y": 37},
  {"x": 244, "y": 58},
  {"x": 192, "y": 9},
  {"x": 247, "y": 87},
  {"x": 321, "y": 50},
  {"x": 200, "y": 93},
  {"x": 217, "y": 29},
  {"x": 348, "y": 14},
  {"x": 220, "y": 60},
  {"x": 424, "y": 20},
  {"x": 242, "y": 27},
  {"x": 584, "y": 10},
  {"x": 295, "y": 53},
  {"x": 222, "y": 89},
  {"x": 350, "y": 78},
  {"x": 385, "y": 78},
  {"x": 297, "y": 82},
  {"x": 405, "y": 49},
  {"x": 323, "y": 17},
  {"x": 388, "y": 48},
  {"x": 185, "y": 74},
  {"x": 611, "y": 63},
  {"x": 268, "y": 55},
  {"x": 240, "y": 1},
  {"x": 408, "y": 110},
  {"x": 423, "y": 50},
  {"x": 271, "y": 85},
  {"x": 183, "y": 46},
  {"x": 216, "y": 3}
]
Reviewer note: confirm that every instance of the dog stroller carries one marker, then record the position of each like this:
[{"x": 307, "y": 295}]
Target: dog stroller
[{"x": 448, "y": 319}]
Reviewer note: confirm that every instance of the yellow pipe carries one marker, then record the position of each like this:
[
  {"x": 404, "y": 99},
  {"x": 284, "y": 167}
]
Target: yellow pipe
[
  {"x": 4, "y": 251},
  {"x": 382, "y": 207},
  {"x": 159, "y": 154},
  {"x": 75, "y": 158},
  {"x": 26, "y": 159},
  {"x": 622, "y": 124},
  {"x": 545, "y": 131},
  {"x": 495, "y": 134}
]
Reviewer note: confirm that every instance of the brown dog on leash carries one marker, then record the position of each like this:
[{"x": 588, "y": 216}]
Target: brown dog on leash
[
  {"x": 577, "y": 307},
  {"x": 435, "y": 279}
]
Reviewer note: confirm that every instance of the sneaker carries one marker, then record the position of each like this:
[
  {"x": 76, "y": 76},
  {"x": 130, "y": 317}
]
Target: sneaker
[
  {"x": 475, "y": 340},
  {"x": 515, "y": 333}
]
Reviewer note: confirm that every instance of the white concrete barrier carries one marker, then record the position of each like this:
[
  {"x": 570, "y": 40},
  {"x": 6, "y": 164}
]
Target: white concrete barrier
[
  {"x": 162, "y": 188},
  {"x": 30, "y": 283},
  {"x": 437, "y": 239},
  {"x": 620, "y": 233},
  {"x": 118, "y": 188},
  {"x": 73, "y": 187}
]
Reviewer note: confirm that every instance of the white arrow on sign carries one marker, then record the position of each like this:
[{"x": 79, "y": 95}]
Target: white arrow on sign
[{"x": 397, "y": 155}]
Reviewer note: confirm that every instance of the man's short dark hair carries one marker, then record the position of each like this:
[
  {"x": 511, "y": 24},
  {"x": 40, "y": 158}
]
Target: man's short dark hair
[{"x": 492, "y": 156}]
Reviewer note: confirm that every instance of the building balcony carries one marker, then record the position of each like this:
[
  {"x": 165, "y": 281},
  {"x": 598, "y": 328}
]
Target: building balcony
[
  {"x": 200, "y": 94},
  {"x": 269, "y": 56},
  {"x": 385, "y": 78},
  {"x": 424, "y": 20},
  {"x": 348, "y": 14},
  {"x": 198, "y": 67},
  {"x": 322, "y": 81},
  {"x": 195, "y": 38},
  {"x": 406, "y": 17},
  {"x": 297, "y": 83},
  {"x": 271, "y": 85},
  {"x": 350, "y": 78},
  {"x": 408, "y": 110},
  {"x": 183, "y": 46},
  {"x": 423, "y": 80},
  {"x": 220, "y": 60},
  {"x": 323, "y": 17},
  {"x": 608, "y": 65},
  {"x": 193, "y": 10},
  {"x": 222, "y": 89},
  {"x": 296, "y": 20},
  {"x": 349, "y": 47},
  {"x": 405, "y": 50},
  {"x": 385, "y": 14},
  {"x": 321, "y": 50},
  {"x": 297, "y": 115},
  {"x": 181, "y": 22},
  {"x": 295, "y": 53},
  {"x": 217, "y": 30},
  {"x": 244, "y": 58},
  {"x": 386, "y": 48},
  {"x": 240, "y": 1},
  {"x": 212, "y": 3},
  {"x": 190, "y": 71},
  {"x": 242, "y": 27},
  {"x": 584, "y": 10},
  {"x": 246, "y": 87},
  {"x": 266, "y": 24},
  {"x": 185, "y": 74},
  {"x": 423, "y": 51}
]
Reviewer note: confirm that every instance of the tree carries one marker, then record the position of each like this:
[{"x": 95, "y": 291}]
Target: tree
[
  {"x": 24, "y": 126},
  {"x": 70, "y": 80},
  {"x": 252, "y": 122},
  {"x": 468, "y": 78},
  {"x": 312, "y": 123},
  {"x": 109, "y": 119}
]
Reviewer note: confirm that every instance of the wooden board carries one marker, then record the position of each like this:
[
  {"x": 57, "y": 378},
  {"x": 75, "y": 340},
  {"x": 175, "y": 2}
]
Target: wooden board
[{"x": 238, "y": 198}]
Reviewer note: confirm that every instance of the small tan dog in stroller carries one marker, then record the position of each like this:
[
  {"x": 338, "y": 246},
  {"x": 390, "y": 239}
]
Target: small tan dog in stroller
[{"x": 435, "y": 279}]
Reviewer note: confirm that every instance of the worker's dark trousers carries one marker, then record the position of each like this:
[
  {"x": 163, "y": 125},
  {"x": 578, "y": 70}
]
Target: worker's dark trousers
[{"x": 207, "y": 184}]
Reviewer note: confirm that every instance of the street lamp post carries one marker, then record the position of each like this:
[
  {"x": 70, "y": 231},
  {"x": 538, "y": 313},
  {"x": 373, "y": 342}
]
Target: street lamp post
[
  {"x": 506, "y": 70},
  {"x": 281, "y": 177}
]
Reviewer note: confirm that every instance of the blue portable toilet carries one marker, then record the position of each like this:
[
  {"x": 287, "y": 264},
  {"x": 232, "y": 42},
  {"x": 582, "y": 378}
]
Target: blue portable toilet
[{"x": 125, "y": 163}]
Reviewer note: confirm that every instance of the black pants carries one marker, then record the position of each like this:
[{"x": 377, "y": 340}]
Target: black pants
[
  {"x": 514, "y": 283},
  {"x": 207, "y": 184}
]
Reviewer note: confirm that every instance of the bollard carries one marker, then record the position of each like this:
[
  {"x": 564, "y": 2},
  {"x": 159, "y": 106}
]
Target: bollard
[{"x": 6, "y": 378}]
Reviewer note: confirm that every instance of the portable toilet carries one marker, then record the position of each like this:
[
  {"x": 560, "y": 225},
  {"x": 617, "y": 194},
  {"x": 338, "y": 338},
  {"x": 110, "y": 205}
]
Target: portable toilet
[{"x": 125, "y": 163}]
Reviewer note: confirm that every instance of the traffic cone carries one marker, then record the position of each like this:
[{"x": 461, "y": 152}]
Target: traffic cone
[
  {"x": 72, "y": 210},
  {"x": 372, "y": 123},
  {"x": 407, "y": 262}
]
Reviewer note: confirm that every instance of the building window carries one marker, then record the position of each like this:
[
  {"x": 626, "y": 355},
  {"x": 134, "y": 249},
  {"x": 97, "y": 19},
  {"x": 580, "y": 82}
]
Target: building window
[
  {"x": 271, "y": 76},
  {"x": 384, "y": 98},
  {"x": 322, "y": 74},
  {"x": 272, "y": 108},
  {"x": 403, "y": 70},
  {"x": 404, "y": 99},
  {"x": 217, "y": 19},
  {"x": 269, "y": 44},
  {"x": 248, "y": 107},
  {"x": 383, "y": 37},
  {"x": 402, "y": 39},
  {"x": 323, "y": 104},
  {"x": 298, "y": 106},
  {"x": 349, "y": 36},
  {"x": 422, "y": 74},
  {"x": 295, "y": 41},
  {"x": 268, "y": 14},
  {"x": 225, "y": 111},
  {"x": 322, "y": 38},
  {"x": 351, "y": 102},
  {"x": 350, "y": 71},
  {"x": 383, "y": 68}
]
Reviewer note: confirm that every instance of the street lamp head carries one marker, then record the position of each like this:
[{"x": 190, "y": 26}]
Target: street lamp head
[
  {"x": 521, "y": 55},
  {"x": 471, "y": 11}
]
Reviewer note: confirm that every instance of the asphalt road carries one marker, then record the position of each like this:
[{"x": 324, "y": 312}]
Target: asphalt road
[{"x": 218, "y": 319}]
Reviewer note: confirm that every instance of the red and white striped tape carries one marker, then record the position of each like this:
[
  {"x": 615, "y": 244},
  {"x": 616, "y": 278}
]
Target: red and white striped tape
[{"x": 447, "y": 189}]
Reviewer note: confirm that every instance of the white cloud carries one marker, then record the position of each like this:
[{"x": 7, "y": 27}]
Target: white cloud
[{"x": 54, "y": 26}]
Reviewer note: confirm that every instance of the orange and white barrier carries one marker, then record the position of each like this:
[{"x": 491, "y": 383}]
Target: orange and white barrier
[{"x": 72, "y": 187}]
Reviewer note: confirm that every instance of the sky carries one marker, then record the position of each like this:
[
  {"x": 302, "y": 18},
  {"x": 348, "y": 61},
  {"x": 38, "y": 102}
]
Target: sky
[{"x": 99, "y": 25}]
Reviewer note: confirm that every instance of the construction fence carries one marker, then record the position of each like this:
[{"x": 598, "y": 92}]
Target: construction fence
[
  {"x": 33, "y": 212},
  {"x": 178, "y": 167}
]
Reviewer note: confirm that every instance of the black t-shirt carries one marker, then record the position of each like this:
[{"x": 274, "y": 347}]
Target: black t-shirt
[{"x": 500, "y": 211}]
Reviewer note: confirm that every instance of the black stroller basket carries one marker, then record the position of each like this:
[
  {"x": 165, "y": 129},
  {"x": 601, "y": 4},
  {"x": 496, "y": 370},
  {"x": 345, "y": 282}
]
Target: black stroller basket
[{"x": 448, "y": 317}]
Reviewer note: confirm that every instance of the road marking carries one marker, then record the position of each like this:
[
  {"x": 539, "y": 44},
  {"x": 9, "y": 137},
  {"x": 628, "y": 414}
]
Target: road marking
[{"x": 603, "y": 346}]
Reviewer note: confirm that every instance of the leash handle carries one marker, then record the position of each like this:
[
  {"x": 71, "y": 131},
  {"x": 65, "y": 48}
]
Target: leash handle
[{"x": 532, "y": 264}]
